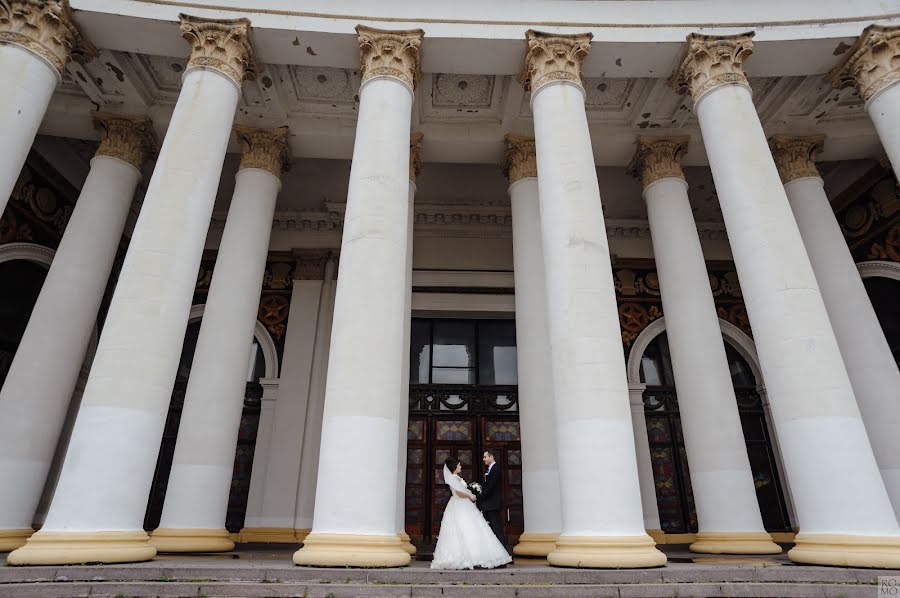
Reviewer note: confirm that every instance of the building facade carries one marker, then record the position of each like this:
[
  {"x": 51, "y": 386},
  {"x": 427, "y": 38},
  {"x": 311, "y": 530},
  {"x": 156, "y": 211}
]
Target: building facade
[{"x": 259, "y": 286}]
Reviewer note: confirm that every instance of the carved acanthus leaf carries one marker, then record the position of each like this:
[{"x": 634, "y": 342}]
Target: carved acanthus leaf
[
  {"x": 873, "y": 62},
  {"x": 389, "y": 54},
  {"x": 264, "y": 148},
  {"x": 521, "y": 158},
  {"x": 553, "y": 57},
  {"x": 710, "y": 61},
  {"x": 128, "y": 138},
  {"x": 45, "y": 28},
  {"x": 658, "y": 158},
  {"x": 222, "y": 45},
  {"x": 795, "y": 156}
]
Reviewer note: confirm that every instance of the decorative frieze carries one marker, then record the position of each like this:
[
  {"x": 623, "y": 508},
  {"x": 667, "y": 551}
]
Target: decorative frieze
[
  {"x": 128, "y": 138},
  {"x": 521, "y": 158},
  {"x": 415, "y": 155},
  {"x": 710, "y": 61},
  {"x": 266, "y": 149},
  {"x": 222, "y": 45},
  {"x": 658, "y": 158},
  {"x": 553, "y": 57},
  {"x": 795, "y": 156},
  {"x": 872, "y": 63},
  {"x": 389, "y": 54},
  {"x": 45, "y": 28}
]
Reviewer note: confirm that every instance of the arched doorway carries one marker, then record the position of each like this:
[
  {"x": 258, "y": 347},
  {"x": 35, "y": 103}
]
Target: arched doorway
[
  {"x": 882, "y": 282},
  {"x": 265, "y": 365},
  {"x": 650, "y": 362}
]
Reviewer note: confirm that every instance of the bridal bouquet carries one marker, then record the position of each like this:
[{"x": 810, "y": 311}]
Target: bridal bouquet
[{"x": 475, "y": 488}]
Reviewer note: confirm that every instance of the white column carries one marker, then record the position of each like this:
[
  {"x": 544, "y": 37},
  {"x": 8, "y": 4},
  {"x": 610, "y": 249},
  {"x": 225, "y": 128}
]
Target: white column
[
  {"x": 602, "y": 522},
  {"x": 196, "y": 503},
  {"x": 540, "y": 474},
  {"x": 35, "y": 46},
  {"x": 867, "y": 355},
  {"x": 645, "y": 465},
  {"x": 98, "y": 509},
  {"x": 728, "y": 514},
  {"x": 35, "y": 398},
  {"x": 312, "y": 435},
  {"x": 873, "y": 68},
  {"x": 849, "y": 520},
  {"x": 260, "y": 458},
  {"x": 356, "y": 491}
]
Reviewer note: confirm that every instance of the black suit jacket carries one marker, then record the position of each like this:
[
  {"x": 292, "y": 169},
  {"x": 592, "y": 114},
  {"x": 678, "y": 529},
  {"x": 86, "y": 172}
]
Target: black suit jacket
[{"x": 491, "y": 498}]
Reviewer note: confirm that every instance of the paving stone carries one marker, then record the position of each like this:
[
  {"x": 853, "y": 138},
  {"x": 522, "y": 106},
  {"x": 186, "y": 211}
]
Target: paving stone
[
  {"x": 317, "y": 575},
  {"x": 12, "y": 574},
  {"x": 591, "y": 576}
]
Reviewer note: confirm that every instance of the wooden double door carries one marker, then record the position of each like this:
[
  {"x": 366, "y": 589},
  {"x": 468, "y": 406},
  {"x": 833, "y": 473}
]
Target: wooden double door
[{"x": 432, "y": 439}]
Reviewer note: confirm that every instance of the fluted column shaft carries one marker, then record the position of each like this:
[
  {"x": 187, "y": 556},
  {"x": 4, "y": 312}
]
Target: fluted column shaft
[
  {"x": 355, "y": 515},
  {"x": 196, "y": 503},
  {"x": 602, "y": 522},
  {"x": 864, "y": 348},
  {"x": 849, "y": 519},
  {"x": 98, "y": 509},
  {"x": 728, "y": 514},
  {"x": 540, "y": 473},
  {"x": 38, "y": 388}
]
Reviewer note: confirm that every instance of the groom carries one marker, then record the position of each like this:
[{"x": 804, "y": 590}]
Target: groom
[{"x": 491, "y": 499}]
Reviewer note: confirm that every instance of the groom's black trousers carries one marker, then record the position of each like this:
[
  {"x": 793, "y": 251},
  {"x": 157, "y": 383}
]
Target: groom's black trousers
[{"x": 493, "y": 519}]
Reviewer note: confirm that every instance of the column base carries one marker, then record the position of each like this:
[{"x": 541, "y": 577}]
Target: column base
[
  {"x": 735, "y": 543},
  {"x": 351, "y": 550},
  {"x": 606, "y": 552},
  {"x": 166, "y": 539},
  {"x": 76, "y": 548},
  {"x": 274, "y": 535},
  {"x": 875, "y": 552},
  {"x": 535, "y": 544},
  {"x": 407, "y": 543},
  {"x": 658, "y": 535},
  {"x": 10, "y": 539}
]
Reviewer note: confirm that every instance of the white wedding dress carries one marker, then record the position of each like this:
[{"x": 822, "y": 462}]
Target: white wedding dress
[{"x": 465, "y": 540}]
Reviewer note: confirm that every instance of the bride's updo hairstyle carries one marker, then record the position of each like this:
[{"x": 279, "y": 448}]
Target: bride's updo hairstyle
[{"x": 452, "y": 464}]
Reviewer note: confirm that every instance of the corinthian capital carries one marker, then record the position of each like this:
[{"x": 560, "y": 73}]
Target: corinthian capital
[
  {"x": 43, "y": 27},
  {"x": 222, "y": 45},
  {"x": 795, "y": 156},
  {"x": 658, "y": 158},
  {"x": 873, "y": 62},
  {"x": 711, "y": 61},
  {"x": 128, "y": 138},
  {"x": 415, "y": 158},
  {"x": 521, "y": 158},
  {"x": 553, "y": 57},
  {"x": 264, "y": 148},
  {"x": 389, "y": 54}
]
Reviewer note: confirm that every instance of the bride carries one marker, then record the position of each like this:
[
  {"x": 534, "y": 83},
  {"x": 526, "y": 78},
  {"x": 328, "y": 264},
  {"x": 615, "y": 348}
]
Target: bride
[{"x": 465, "y": 540}]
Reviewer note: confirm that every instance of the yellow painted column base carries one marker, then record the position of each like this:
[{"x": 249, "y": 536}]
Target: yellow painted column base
[
  {"x": 74, "y": 548},
  {"x": 300, "y": 534},
  {"x": 658, "y": 535},
  {"x": 606, "y": 552},
  {"x": 407, "y": 543},
  {"x": 191, "y": 540},
  {"x": 877, "y": 552},
  {"x": 351, "y": 550},
  {"x": 735, "y": 543},
  {"x": 10, "y": 539},
  {"x": 535, "y": 544},
  {"x": 275, "y": 535}
]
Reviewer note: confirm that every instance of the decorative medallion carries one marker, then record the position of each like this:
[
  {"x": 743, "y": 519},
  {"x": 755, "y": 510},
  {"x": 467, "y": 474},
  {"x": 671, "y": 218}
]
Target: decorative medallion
[
  {"x": 521, "y": 158},
  {"x": 872, "y": 63},
  {"x": 45, "y": 28},
  {"x": 415, "y": 157},
  {"x": 389, "y": 54},
  {"x": 128, "y": 138},
  {"x": 795, "y": 156},
  {"x": 710, "y": 61},
  {"x": 658, "y": 158},
  {"x": 222, "y": 45},
  {"x": 553, "y": 57},
  {"x": 273, "y": 313},
  {"x": 266, "y": 149}
]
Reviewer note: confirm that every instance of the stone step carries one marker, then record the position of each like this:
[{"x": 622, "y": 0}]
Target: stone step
[{"x": 208, "y": 589}]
